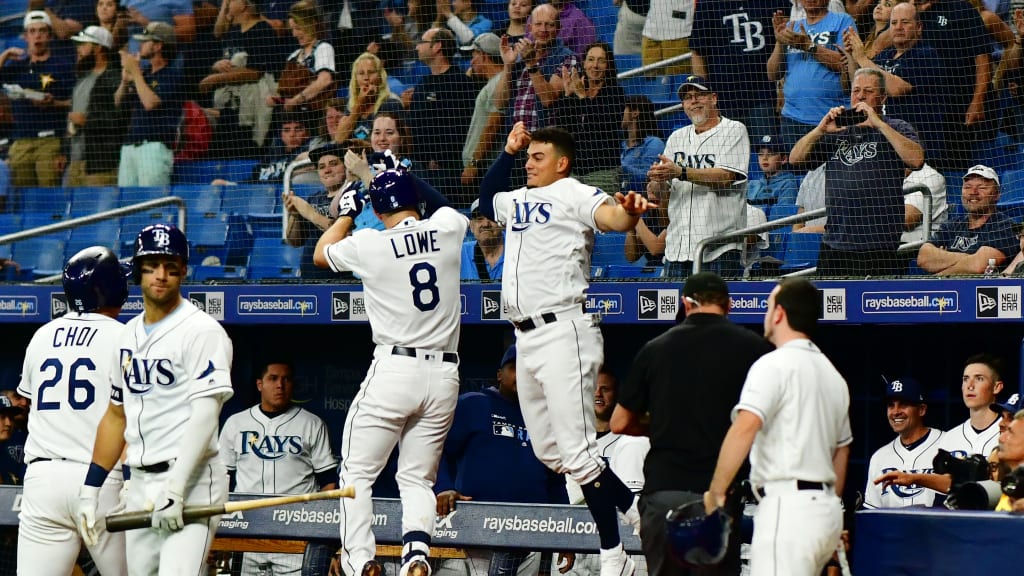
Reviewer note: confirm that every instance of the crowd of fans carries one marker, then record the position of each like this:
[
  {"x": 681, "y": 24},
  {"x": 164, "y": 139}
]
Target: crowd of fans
[{"x": 110, "y": 94}]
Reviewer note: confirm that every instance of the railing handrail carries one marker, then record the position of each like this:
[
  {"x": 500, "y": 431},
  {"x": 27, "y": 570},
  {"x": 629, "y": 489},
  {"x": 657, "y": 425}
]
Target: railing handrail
[
  {"x": 99, "y": 216},
  {"x": 926, "y": 224}
]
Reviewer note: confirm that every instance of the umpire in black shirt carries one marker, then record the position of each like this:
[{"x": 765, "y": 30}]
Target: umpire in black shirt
[{"x": 680, "y": 392}]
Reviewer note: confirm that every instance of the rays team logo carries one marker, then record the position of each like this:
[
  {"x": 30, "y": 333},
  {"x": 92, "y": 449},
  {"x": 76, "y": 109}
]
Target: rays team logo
[
  {"x": 162, "y": 238},
  {"x": 905, "y": 491},
  {"x": 58, "y": 305},
  {"x": 526, "y": 214},
  {"x": 141, "y": 374},
  {"x": 270, "y": 447}
]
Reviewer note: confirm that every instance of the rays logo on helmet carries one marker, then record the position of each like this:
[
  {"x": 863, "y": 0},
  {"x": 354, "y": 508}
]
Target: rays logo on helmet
[{"x": 161, "y": 238}]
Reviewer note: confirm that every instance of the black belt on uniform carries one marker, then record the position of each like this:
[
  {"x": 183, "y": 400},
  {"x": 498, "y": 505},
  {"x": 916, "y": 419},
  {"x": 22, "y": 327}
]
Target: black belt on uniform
[
  {"x": 529, "y": 324},
  {"x": 800, "y": 485},
  {"x": 155, "y": 468},
  {"x": 450, "y": 357},
  {"x": 41, "y": 459}
]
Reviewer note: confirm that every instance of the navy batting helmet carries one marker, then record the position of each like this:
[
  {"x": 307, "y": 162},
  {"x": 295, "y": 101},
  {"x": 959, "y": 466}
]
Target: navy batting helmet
[
  {"x": 695, "y": 539},
  {"x": 391, "y": 190},
  {"x": 94, "y": 279},
  {"x": 158, "y": 239}
]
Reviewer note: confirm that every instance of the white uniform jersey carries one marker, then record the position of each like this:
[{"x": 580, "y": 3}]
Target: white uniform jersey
[
  {"x": 936, "y": 183},
  {"x": 411, "y": 277},
  {"x": 895, "y": 456},
  {"x": 279, "y": 455},
  {"x": 625, "y": 455},
  {"x": 963, "y": 441},
  {"x": 669, "y": 19},
  {"x": 549, "y": 235},
  {"x": 803, "y": 403},
  {"x": 696, "y": 211},
  {"x": 69, "y": 365},
  {"x": 186, "y": 355}
]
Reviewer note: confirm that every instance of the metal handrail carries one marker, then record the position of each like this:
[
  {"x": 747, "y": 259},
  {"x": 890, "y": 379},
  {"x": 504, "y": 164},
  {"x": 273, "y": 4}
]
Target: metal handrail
[
  {"x": 926, "y": 223},
  {"x": 654, "y": 66},
  {"x": 287, "y": 185},
  {"x": 98, "y": 217}
]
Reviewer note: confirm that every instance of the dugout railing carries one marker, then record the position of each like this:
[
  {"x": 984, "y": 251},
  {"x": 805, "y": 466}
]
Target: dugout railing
[
  {"x": 702, "y": 246},
  {"x": 93, "y": 218}
]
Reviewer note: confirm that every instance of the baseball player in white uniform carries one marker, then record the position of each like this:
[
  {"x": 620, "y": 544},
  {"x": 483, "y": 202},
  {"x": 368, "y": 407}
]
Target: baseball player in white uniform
[
  {"x": 703, "y": 174},
  {"x": 549, "y": 234},
  {"x": 793, "y": 420},
  {"x": 276, "y": 447},
  {"x": 981, "y": 384},
  {"x": 410, "y": 274},
  {"x": 623, "y": 454},
  {"x": 175, "y": 374},
  {"x": 912, "y": 451},
  {"x": 68, "y": 367}
]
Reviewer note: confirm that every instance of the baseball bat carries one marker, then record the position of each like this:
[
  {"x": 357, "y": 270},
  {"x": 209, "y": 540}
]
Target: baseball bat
[{"x": 144, "y": 518}]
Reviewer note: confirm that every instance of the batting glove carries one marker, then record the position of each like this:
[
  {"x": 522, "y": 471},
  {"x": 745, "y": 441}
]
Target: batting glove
[
  {"x": 88, "y": 500},
  {"x": 167, "y": 513},
  {"x": 351, "y": 203}
]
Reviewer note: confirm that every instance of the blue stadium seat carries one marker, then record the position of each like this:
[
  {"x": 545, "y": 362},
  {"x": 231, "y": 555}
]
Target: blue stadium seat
[
  {"x": 610, "y": 249},
  {"x": 251, "y": 198},
  {"x": 208, "y": 235},
  {"x": 205, "y": 171},
  {"x": 306, "y": 190},
  {"x": 10, "y": 223},
  {"x": 31, "y": 220},
  {"x": 93, "y": 200},
  {"x": 104, "y": 233},
  {"x": 271, "y": 258},
  {"x": 136, "y": 194},
  {"x": 39, "y": 256},
  {"x": 782, "y": 210},
  {"x": 199, "y": 198},
  {"x": 202, "y": 273},
  {"x": 633, "y": 271},
  {"x": 1011, "y": 187},
  {"x": 54, "y": 201},
  {"x": 604, "y": 14},
  {"x": 264, "y": 225},
  {"x": 802, "y": 251}
]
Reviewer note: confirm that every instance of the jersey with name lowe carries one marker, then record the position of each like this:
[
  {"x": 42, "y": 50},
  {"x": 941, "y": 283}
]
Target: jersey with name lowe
[
  {"x": 418, "y": 261},
  {"x": 186, "y": 355},
  {"x": 547, "y": 225}
]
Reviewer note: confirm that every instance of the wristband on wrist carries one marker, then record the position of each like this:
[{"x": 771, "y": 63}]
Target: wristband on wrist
[
  {"x": 96, "y": 475},
  {"x": 682, "y": 175},
  {"x": 126, "y": 471}
]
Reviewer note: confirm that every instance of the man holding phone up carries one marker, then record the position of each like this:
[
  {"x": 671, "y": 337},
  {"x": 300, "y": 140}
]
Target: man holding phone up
[{"x": 865, "y": 155}]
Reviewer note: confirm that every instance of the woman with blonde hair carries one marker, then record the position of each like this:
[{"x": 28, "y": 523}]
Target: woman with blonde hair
[{"x": 368, "y": 94}]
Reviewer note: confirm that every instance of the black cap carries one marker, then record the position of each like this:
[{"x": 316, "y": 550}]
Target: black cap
[
  {"x": 705, "y": 282},
  {"x": 326, "y": 150},
  {"x": 906, "y": 389}
]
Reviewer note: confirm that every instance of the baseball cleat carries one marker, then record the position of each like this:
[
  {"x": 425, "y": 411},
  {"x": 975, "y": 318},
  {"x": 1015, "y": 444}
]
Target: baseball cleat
[
  {"x": 372, "y": 568},
  {"x": 418, "y": 567},
  {"x": 615, "y": 562}
]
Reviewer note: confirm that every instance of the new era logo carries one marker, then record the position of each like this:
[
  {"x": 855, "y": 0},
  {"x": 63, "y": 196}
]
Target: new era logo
[
  {"x": 341, "y": 305},
  {"x": 647, "y": 304},
  {"x": 490, "y": 305},
  {"x": 988, "y": 302}
]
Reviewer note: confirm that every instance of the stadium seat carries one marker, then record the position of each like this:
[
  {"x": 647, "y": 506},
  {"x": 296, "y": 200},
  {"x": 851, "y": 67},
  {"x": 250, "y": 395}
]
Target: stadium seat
[
  {"x": 604, "y": 14},
  {"x": 1011, "y": 186},
  {"x": 205, "y": 171},
  {"x": 208, "y": 235},
  {"x": 306, "y": 190},
  {"x": 53, "y": 201},
  {"x": 264, "y": 225},
  {"x": 199, "y": 198},
  {"x": 202, "y": 273},
  {"x": 39, "y": 257},
  {"x": 103, "y": 233},
  {"x": 251, "y": 198},
  {"x": 801, "y": 251},
  {"x": 10, "y": 223},
  {"x": 633, "y": 271},
  {"x": 609, "y": 250},
  {"x": 782, "y": 210},
  {"x": 271, "y": 258},
  {"x": 93, "y": 200},
  {"x": 31, "y": 220},
  {"x": 136, "y": 194}
]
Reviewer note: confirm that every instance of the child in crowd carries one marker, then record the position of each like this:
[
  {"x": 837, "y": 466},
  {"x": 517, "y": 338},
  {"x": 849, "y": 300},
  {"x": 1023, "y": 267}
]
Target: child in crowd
[{"x": 779, "y": 185}]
